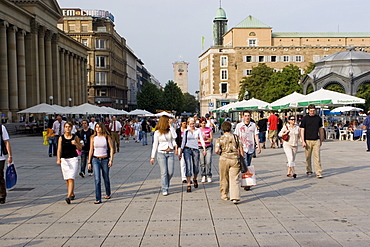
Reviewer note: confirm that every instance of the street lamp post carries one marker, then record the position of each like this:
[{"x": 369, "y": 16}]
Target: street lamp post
[
  {"x": 70, "y": 101},
  {"x": 51, "y": 100}
]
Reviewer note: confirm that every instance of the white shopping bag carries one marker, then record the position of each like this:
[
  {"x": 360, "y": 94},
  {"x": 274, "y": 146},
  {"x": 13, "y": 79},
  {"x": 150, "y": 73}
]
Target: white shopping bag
[{"x": 249, "y": 178}]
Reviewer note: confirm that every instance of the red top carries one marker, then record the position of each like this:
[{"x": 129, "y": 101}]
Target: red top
[{"x": 273, "y": 120}]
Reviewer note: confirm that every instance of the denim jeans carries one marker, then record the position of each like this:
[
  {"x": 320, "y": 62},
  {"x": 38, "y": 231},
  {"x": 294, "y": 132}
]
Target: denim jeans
[
  {"x": 144, "y": 138},
  {"x": 166, "y": 164},
  {"x": 53, "y": 145},
  {"x": 102, "y": 165},
  {"x": 248, "y": 158},
  {"x": 206, "y": 161},
  {"x": 191, "y": 157},
  {"x": 84, "y": 156}
]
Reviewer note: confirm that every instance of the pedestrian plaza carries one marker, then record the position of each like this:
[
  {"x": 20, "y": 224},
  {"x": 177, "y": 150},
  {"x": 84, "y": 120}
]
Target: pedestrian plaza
[{"x": 279, "y": 211}]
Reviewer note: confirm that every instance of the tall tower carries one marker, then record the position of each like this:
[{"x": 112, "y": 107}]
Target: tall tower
[
  {"x": 219, "y": 26},
  {"x": 180, "y": 69}
]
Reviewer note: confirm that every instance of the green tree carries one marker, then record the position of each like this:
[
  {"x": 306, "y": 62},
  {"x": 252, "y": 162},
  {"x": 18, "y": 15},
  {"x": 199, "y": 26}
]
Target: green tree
[
  {"x": 308, "y": 69},
  {"x": 190, "y": 103},
  {"x": 150, "y": 97},
  {"x": 173, "y": 98},
  {"x": 364, "y": 92},
  {"x": 309, "y": 89},
  {"x": 256, "y": 83},
  {"x": 335, "y": 87},
  {"x": 282, "y": 83}
]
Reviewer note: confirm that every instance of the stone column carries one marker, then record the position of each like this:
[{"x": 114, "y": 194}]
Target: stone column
[
  {"x": 42, "y": 78},
  {"x": 12, "y": 72},
  {"x": 76, "y": 86},
  {"x": 62, "y": 101},
  {"x": 48, "y": 66},
  {"x": 56, "y": 70},
  {"x": 67, "y": 80},
  {"x": 4, "y": 88},
  {"x": 21, "y": 57},
  {"x": 79, "y": 83},
  {"x": 32, "y": 61},
  {"x": 71, "y": 80}
]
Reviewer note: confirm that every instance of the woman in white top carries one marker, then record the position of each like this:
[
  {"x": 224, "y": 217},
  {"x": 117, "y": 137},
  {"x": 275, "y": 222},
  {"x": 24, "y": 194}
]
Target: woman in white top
[
  {"x": 189, "y": 147},
  {"x": 164, "y": 145},
  {"x": 290, "y": 146},
  {"x": 101, "y": 158}
]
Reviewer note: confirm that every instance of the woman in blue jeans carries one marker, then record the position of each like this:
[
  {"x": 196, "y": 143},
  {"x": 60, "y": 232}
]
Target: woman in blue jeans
[
  {"x": 165, "y": 147},
  {"x": 101, "y": 159}
]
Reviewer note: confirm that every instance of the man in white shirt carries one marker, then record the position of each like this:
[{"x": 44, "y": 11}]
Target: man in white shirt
[
  {"x": 92, "y": 123},
  {"x": 58, "y": 127},
  {"x": 4, "y": 147},
  {"x": 248, "y": 135},
  {"x": 115, "y": 130}
]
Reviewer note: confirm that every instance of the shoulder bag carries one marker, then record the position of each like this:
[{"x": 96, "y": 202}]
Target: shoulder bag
[
  {"x": 286, "y": 136},
  {"x": 241, "y": 160}
]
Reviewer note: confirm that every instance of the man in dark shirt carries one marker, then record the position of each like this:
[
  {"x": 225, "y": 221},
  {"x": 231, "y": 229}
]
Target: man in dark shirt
[
  {"x": 312, "y": 136},
  {"x": 367, "y": 124},
  {"x": 262, "y": 128},
  {"x": 84, "y": 134}
]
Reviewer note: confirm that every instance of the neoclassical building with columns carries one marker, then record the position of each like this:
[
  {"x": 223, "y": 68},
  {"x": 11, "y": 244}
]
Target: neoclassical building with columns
[{"x": 38, "y": 62}]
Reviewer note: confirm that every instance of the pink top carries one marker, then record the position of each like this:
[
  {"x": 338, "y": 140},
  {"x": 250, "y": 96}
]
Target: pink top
[
  {"x": 100, "y": 146},
  {"x": 206, "y": 133}
]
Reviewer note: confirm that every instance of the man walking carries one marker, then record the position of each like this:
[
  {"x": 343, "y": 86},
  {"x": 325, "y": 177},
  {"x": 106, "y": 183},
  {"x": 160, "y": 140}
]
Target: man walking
[
  {"x": 273, "y": 121},
  {"x": 367, "y": 124},
  {"x": 115, "y": 130},
  {"x": 312, "y": 136},
  {"x": 262, "y": 128},
  {"x": 248, "y": 135},
  {"x": 4, "y": 148},
  {"x": 84, "y": 134},
  {"x": 92, "y": 123},
  {"x": 58, "y": 127}
]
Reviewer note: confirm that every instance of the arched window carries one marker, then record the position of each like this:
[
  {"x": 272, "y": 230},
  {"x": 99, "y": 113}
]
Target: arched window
[{"x": 252, "y": 34}]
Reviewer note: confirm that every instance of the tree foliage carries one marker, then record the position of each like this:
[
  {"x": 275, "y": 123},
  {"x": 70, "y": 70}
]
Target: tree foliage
[
  {"x": 335, "y": 87},
  {"x": 173, "y": 98},
  {"x": 150, "y": 97},
  {"x": 191, "y": 104},
  {"x": 364, "y": 92}
]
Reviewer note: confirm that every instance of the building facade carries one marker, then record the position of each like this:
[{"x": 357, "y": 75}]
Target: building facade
[
  {"x": 181, "y": 77},
  {"x": 251, "y": 42},
  {"x": 38, "y": 62},
  {"x": 107, "y": 56}
]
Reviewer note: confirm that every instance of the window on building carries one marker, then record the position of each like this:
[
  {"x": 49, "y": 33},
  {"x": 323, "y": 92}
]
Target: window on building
[
  {"x": 285, "y": 58},
  {"x": 316, "y": 58},
  {"x": 224, "y": 74},
  {"x": 298, "y": 58},
  {"x": 103, "y": 93},
  {"x": 273, "y": 59},
  {"x": 223, "y": 87},
  {"x": 84, "y": 42},
  {"x": 301, "y": 71},
  {"x": 101, "y": 29},
  {"x": 248, "y": 59},
  {"x": 84, "y": 28},
  {"x": 224, "y": 61},
  {"x": 100, "y": 44},
  {"x": 261, "y": 59},
  {"x": 252, "y": 42},
  {"x": 100, "y": 61},
  {"x": 252, "y": 34},
  {"x": 71, "y": 28},
  {"x": 247, "y": 72},
  {"x": 100, "y": 78}
]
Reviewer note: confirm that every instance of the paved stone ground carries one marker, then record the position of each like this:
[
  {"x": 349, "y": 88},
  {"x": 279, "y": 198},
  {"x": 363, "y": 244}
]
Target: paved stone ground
[{"x": 279, "y": 211}]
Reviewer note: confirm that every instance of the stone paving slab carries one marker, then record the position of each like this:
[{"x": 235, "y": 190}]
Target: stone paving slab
[{"x": 279, "y": 211}]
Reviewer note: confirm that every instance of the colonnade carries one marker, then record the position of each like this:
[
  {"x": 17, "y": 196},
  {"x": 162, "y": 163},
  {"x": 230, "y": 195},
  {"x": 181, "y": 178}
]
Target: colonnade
[{"x": 40, "y": 66}]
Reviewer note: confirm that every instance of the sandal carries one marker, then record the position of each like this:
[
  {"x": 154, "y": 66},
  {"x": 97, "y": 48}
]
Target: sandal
[
  {"x": 107, "y": 197},
  {"x": 289, "y": 175},
  {"x": 97, "y": 202},
  {"x": 188, "y": 189},
  {"x": 195, "y": 184}
]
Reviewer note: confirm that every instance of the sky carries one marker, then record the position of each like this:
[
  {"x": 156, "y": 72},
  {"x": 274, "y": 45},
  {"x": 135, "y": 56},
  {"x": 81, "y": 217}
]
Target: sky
[{"x": 161, "y": 32}]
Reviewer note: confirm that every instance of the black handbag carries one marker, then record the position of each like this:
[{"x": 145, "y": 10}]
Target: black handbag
[{"x": 241, "y": 160}]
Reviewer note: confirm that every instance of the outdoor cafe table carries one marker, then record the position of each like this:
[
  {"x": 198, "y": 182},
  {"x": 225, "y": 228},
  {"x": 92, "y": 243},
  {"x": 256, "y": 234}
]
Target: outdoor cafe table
[{"x": 358, "y": 133}]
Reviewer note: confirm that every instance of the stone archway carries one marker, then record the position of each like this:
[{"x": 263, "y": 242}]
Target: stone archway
[{"x": 335, "y": 86}]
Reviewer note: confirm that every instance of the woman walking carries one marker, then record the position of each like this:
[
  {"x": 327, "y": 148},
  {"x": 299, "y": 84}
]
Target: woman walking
[
  {"x": 67, "y": 158},
  {"x": 165, "y": 147},
  {"x": 101, "y": 159},
  {"x": 51, "y": 139},
  {"x": 290, "y": 146},
  {"x": 227, "y": 146},
  {"x": 206, "y": 160},
  {"x": 189, "y": 147},
  {"x": 180, "y": 133}
]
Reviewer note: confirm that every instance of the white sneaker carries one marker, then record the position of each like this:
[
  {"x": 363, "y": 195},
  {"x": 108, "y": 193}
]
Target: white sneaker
[
  {"x": 165, "y": 193},
  {"x": 235, "y": 201},
  {"x": 209, "y": 180},
  {"x": 203, "y": 179}
]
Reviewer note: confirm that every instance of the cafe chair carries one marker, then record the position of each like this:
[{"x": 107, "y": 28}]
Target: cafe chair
[
  {"x": 343, "y": 135},
  {"x": 363, "y": 136}
]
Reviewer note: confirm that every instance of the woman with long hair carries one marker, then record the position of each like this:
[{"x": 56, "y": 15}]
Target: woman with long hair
[
  {"x": 180, "y": 133},
  {"x": 290, "y": 146},
  {"x": 101, "y": 159},
  {"x": 67, "y": 158},
  {"x": 165, "y": 147},
  {"x": 206, "y": 160}
]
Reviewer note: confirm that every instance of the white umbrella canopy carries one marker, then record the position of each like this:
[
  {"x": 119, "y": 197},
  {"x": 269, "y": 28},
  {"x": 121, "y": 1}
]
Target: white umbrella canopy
[
  {"x": 41, "y": 108},
  {"x": 140, "y": 112},
  {"x": 252, "y": 104},
  {"x": 287, "y": 101},
  {"x": 86, "y": 109},
  {"x": 163, "y": 113},
  {"x": 328, "y": 97},
  {"x": 346, "y": 109},
  {"x": 112, "y": 111}
]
